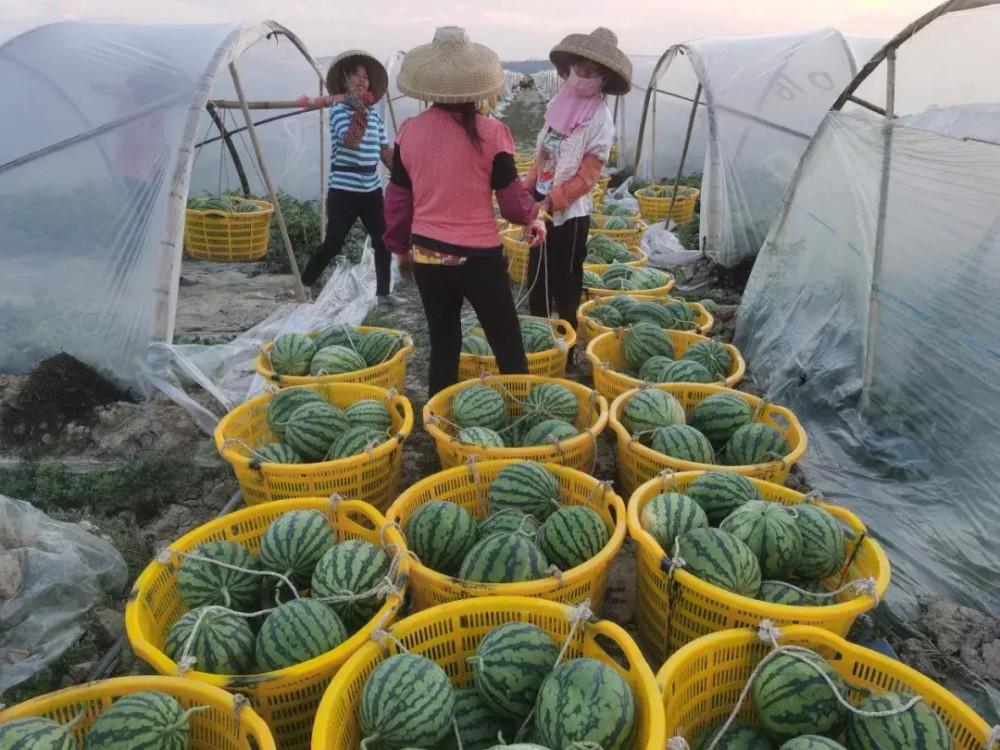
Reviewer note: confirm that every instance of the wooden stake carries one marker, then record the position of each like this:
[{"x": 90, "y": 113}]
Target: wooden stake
[{"x": 684, "y": 153}]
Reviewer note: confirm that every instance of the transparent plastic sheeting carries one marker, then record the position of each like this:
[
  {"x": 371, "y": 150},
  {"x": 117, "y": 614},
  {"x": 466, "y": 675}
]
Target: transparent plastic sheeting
[
  {"x": 96, "y": 145},
  {"x": 63, "y": 571},
  {"x": 919, "y": 465}
]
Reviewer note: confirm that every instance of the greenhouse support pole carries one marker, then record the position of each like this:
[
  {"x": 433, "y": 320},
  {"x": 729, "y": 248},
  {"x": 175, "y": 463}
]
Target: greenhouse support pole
[
  {"x": 883, "y": 199},
  {"x": 323, "y": 167},
  {"x": 272, "y": 194},
  {"x": 233, "y": 153},
  {"x": 684, "y": 152}
]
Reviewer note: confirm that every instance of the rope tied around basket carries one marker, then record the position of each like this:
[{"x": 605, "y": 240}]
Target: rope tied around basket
[
  {"x": 381, "y": 636},
  {"x": 240, "y": 702},
  {"x": 603, "y": 486},
  {"x": 762, "y": 406},
  {"x": 859, "y": 585},
  {"x": 163, "y": 556},
  {"x": 256, "y": 459},
  {"x": 676, "y": 562},
  {"x": 333, "y": 507},
  {"x": 992, "y": 739},
  {"x": 813, "y": 497},
  {"x": 664, "y": 475}
]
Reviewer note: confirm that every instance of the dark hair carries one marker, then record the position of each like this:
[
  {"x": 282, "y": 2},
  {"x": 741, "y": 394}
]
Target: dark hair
[{"x": 467, "y": 117}]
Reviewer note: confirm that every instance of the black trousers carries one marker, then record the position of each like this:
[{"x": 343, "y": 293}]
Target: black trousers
[
  {"x": 482, "y": 281},
  {"x": 343, "y": 208},
  {"x": 566, "y": 247}
]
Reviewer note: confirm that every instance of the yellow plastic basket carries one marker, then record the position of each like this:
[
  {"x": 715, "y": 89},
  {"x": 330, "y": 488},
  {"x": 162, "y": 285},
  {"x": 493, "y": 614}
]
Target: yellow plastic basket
[
  {"x": 550, "y": 363},
  {"x": 459, "y": 485},
  {"x": 589, "y": 328},
  {"x": 228, "y": 724},
  {"x": 576, "y": 452},
  {"x": 606, "y": 361},
  {"x": 597, "y": 197},
  {"x": 628, "y": 237},
  {"x": 590, "y": 293},
  {"x": 286, "y": 698},
  {"x": 371, "y": 477},
  {"x": 638, "y": 464},
  {"x": 654, "y": 206},
  {"x": 603, "y": 183},
  {"x": 701, "y": 683},
  {"x": 516, "y": 253},
  {"x": 388, "y": 374},
  {"x": 670, "y": 613},
  {"x": 637, "y": 259},
  {"x": 228, "y": 237},
  {"x": 449, "y": 634}
]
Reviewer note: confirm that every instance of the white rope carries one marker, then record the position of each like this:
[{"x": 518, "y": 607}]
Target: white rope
[
  {"x": 240, "y": 702},
  {"x": 676, "y": 561},
  {"x": 858, "y": 585},
  {"x": 992, "y": 739},
  {"x": 677, "y": 743},
  {"x": 166, "y": 552}
]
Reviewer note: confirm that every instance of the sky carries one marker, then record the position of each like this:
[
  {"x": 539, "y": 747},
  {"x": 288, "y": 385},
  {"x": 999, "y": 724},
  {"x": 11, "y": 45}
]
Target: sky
[{"x": 516, "y": 29}]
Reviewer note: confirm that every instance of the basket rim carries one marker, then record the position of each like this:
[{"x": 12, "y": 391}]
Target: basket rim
[
  {"x": 568, "y": 334},
  {"x": 156, "y": 657},
  {"x": 659, "y": 291},
  {"x": 639, "y": 262},
  {"x": 588, "y": 305},
  {"x": 634, "y": 445},
  {"x": 230, "y": 454},
  {"x": 688, "y": 193},
  {"x": 853, "y": 607},
  {"x": 266, "y": 205}
]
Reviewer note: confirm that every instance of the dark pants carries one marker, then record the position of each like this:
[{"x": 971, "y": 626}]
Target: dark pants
[
  {"x": 343, "y": 208},
  {"x": 482, "y": 281},
  {"x": 566, "y": 247}
]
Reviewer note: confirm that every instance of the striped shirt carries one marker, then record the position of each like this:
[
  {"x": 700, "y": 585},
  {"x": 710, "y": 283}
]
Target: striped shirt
[{"x": 368, "y": 154}]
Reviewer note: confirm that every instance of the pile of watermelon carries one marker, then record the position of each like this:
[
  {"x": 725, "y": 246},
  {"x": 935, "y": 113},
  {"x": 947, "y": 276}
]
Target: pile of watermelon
[
  {"x": 310, "y": 429},
  {"x": 223, "y": 203},
  {"x": 720, "y": 430},
  {"x": 547, "y": 415},
  {"x": 602, "y": 250},
  {"x": 622, "y": 277},
  {"x": 336, "y": 350},
  {"x": 528, "y": 531},
  {"x": 618, "y": 218},
  {"x": 623, "y": 310},
  {"x": 520, "y": 698},
  {"x": 536, "y": 336},
  {"x": 291, "y": 621},
  {"x": 650, "y": 355}
]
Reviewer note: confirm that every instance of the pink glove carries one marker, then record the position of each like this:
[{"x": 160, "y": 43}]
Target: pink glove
[{"x": 535, "y": 233}]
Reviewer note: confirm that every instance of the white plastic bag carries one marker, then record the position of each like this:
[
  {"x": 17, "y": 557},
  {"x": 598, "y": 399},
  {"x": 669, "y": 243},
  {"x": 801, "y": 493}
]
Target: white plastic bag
[{"x": 664, "y": 249}]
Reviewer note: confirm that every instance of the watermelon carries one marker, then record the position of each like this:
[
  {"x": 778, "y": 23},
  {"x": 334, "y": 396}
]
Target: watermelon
[
  {"x": 684, "y": 371},
  {"x": 572, "y": 535},
  {"x": 353, "y": 566},
  {"x": 376, "y": 347},
  {"x": 592, "y": 259},
  {"x": 549, "y": 432},
  {"x": 482, "y": 436},
  {"x": 622, "y": 303},
  {"x": 824, "y": 544},
  {"x": 407, "y": 701},
  {"x": 779, "y": 592},
  {"x": 918, "y": 728},
  {"x": 525, "y": 486},
  {"x": 720, "y": 559},
  {"x": 245, "y": 207},
  {"x": 652, "y": 368},
  {"x": 476, "y": 345},
  {"x": 200, "y": 581},
  {"x": 222, "y": 644},
  {"x": 740, "y": 736},
  {"x": 509, "y": 520},
  {"x": 650, "y": 312},
  {"x": 509, "y": 666},
  {"x": 354, "y": 442},
  {"x": 606, "y": 315},
  {"x": 284, "y": 403},
  {"x": 478, "y": 724},
  {"x": 313, "y": 428},
  {"x": 295, "y": 632},
  {"x": 216, "y": 203},
  {"x": 812, "y": 742},
  {"x": 615, "y": 272},
  {"x": 591, "y": 280},
  {"x": 720, "y": 415},
  {"x": 294, "y": 543},
  {"x": 709, "y": 304},
  {"x": 479, "y": 406},
  {"x": 551, "y": 401},
  {"x": 770, "y": 532},
  {"x": 684, "y": 443},
  {"x": 340, "y": 334},
  {"x": 147, "y": 719},
  {"x": 670, "y": 514},
  {"x": 680, "y": 310},
  {"x": 755, "y": 443},
  {"x": 619, "y": 284},
  {"x": 291, "y": 354},
  {"x": 370, "y": 413},
  {"x": 440, "y": 534},
  {"x": 616, "y": 224},
  {"x": 536, "y": 335},
  {"x": 505, "y": 557},
  {"x": 712, "y": 355},
  {"x": 35, "y": 733},
  {"x": 274, "y": 453},
  {"x": 791, "y": 697},
  {"x": 336, "y": 360},
  {"x": 649, "y": 278},
  {"x": 583, "y": 700},
  {"x": 719, "y": 493},
  {"x": 651, "y": 408},
  {"x": 644, "y": 340}
]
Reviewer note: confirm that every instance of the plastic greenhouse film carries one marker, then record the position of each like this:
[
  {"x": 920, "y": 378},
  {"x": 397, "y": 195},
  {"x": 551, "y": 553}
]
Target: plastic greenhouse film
[
  {"x": 51, "y": 574},
  {"x": 664, "y": 249}
]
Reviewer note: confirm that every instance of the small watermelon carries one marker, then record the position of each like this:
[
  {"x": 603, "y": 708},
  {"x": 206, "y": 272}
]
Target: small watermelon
[
  {"x": 771, "y": 534},
  {"x": 354, "y": 442},
  {"x": 812, "y": 742},
  {"x": 791, "y": 696},
  {"x": 274, "y": 453},
  {"x": 780, "y": 592},
  {"x": 616, "y": 224},
  {"x": 622, "y": 303},
  {"x": 645, "y": 340},
  {"x": 200, "y": 581},
  {"x": 481, "y": 436},
  {"x": 479, "y": 406},
  {"x": 651, "y": 408},
  {"x": 509, "y": 666},
  {"x": 652, "y": 369},
  {"x": 35, "y": 733},
  {"x": 720, "y": 415},
  {"x": 295, "y": 632},
  {"x": 291, "y": 354},
  {"x": 536, "y": 335},
  {"x": 509, "y": 520},
  {"x": 339, "y": 334},
  {"x": 616, "y": 272},
  {"x": 720, "y": 559},
  {"x": 525, "y": 486},
  {"x": 755, "y": 443},
  {"x": 551, "y": 401},
  {"x": 478, "y": 724},
  {"x": 824, "y": 544},
  {"x": 918, "y": 728},
  {"x": 591, "y": 280},
  {"x": 712, "y": 355},
  {"x": 649, "y": 278},
  {"x": 354, "y": 566},
  {"x": 739, "y": 736},
  {"x": 505, "y": 557},
  {"x": 719, "y": 493},
  {"x": 441, "y": 534},
  {"x": 144, "y": 719},
  {"x": 606, "y": 315},
  {"x": 684, "y": 443},
  {"x": 684, "y": 371},
  {"x": 376, "y": 347},
  {"x": 476, "y": 345},
  {"x": 369, "y": 412},
  {"x": 336, "y": 360},
  {"x": 284, "y": 403},
  {"x": 572, "y": 535},
  {"x": 650, "y": 312},
  {"x": 293, "y": 544},
  {"x": 313, "y": 428},
  {"x": 549, "y": 432},
  {"x": 668, "y": 515},
  {"x": 222, "y": 644},
  {"x": 592, "y": 259}
]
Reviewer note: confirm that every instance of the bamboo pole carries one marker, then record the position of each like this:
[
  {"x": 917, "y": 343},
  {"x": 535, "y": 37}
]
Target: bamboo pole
[
  {"x": 684, "y": 153},
  {"x": 233, "y": 153},
  {"x": 261, "y": 104}
]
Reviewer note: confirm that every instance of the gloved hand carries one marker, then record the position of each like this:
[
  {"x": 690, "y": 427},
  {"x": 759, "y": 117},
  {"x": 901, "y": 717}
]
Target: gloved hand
[
  {"x": 404, "y": 263},
  {"x": 535, "y": 233},
  {"x": 354, "y": 100}
]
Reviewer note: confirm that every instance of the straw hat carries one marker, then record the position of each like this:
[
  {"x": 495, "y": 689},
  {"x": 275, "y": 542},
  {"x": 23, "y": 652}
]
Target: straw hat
[
  {"x": 451, "y": 70},
  {"x": 601, "y": 46},
  {"x": 378, "y": 78}
]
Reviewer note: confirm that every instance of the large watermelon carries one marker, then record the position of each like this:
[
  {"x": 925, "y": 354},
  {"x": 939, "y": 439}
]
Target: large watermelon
[
  {"x": 506, "y": 557},
  {"x": 812, "y": 742},
  {"x": 712, "y": 355},
  {"x": 606, "y": 315},
  {"x": 509, "y": 666},
  {"x": 369, "y": 412},
  {"x": 35, "y": 733},
  {"x": 537, "y": 335},
  {"x": 668, "y": 515},
  {"x": 222, "y": 644},
  {"x": 291, "y": 354},
  {"x": 482, "y": 436},
  {"x": 684, "y": 371},
  {"x": 440, "y": 534},
  {"x": 525, "y": 486},
  {"x": 284, "y": 403},
  {"x": 651, "y": 408},
  {"x": 720, "y": 415},
  {"x": 353, "y": 566},
  {"x": 684, "y": 443},
  {"x": 509, "y": 520},
  {"x": 644, "y": 340},
  {"x": 616, "y": 272},
  {"x": 755, "y": 443},
  {"x": 621, "y": 302},
  {"x": 294, "y": 543},
  {"x": 478, "y": 724},
  {"x": 824, "y": 545},
  {"x": 651, "y": 312},
  {"x": 583, "y": 700},
  {"x": 297, "y": 631},
  {"x": 313, "y": 428},
  {"x": 200, "y": 581},
  {"x": 549, "y": 432},
  {"x": 147, "y": 719},
  {"x": 918, "y": 728},
  {"x": 719, "y": 493},
  {"x": 770, "y": 532},
  {"x": 649, "y": 278},
  {"x": 354, "y": 442},
  {"x": 479, "y": 406},
  {"x": 791, "y": 696},
  {"x": 572, "y": 535},
  {"x": 376, "y": 347},
  {"x": 739, "y": 736},
  {"x": 720, "y": 559},
  {"x": 476, "y": 345},
  {"x": 339, "y": 334},
  {"x": 336, "y": 360},
  {"x": 591, "y": 280},
  {"x": 551, "y": 401},
  {"x": 274, "y": 453},
  {"x": 653, "y": 368}
]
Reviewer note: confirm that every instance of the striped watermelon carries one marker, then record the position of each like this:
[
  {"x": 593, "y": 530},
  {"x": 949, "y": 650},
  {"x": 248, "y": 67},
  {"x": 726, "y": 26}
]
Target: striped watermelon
[
  {"x": 441, "y": 534},
  {"x": 712, "y": 355},
  {"x": 525, "y": 486},
  {"x": 35, "y": 733},
  {"x": 720, "y": 559},
  {"x": 313, "y": 427},
  {"x": 549, "y": 432},
  {"x": 147, "y": 719},
  {"x": 479, "y": 406},
  {"x": 216, "y": 203},
  {"x": 284, "y": 403},
  {"x": 583, "y": 700},
  {"x": 407, "y": 701},
  {"x": 509, "y": 666},
  {"x": 551, "y": 401},
  {"x": 245, "y": 207},
  {"x": 670, "y": 514},
  {"x": 339, "y": 334},
  {"x": 651, "y": 312},
  {"x": 572, "y": 535},
  {"x": 780, "y": 592},
  {"x": 685, "y": 371},
  {"x": 291, "y": 354},
  {"x": 755, "y": 443},
  {"x": 274, "y": 453},
  {"x": 645, "y": 340},
  {"x": 509, "y": 520},
  {"x": 606, "y": 315},
  {"x": 616, "y": 271},
  {"x": 720, "y": 415},
  {"x": 649, "y": 278},
  {"x": 536, "y": 335},
  {"x": 592, "y": 259},
  {"x": 354, "y": 442},
  {"x": 719, "y": 493},
  {"x": 791, "y": 697},
  {"x": 591, "y": 280},
  {"x": 812, "y": 742},
  {"x": 482, "y": 436},
  {"x": 351, "y": 567},
  {"x": 506, "y": 557},
  {"x": 478, "y": 724},
  {"x": 222, "y": 644},
  {"x": 621, "y": 302},
  {"x": 684, "y": 443},
  {"x": 200, "y": 581},
  {"x": 377, "y": 347},
  {"x": 370, "y": 413},
  {"x": 293, "y": 544},
  {"x": 476, "y": 345},
  {"x": 297, "y": 631},
  {"x": 739, "y": 736},
  {"x": 771, "y": 534},
  {"x": 682, "y": 312},
  {"x": 919, "y": 728},
  {"x": 651, "y": 408},
  {"x": 652, "y": 369},
  {"x": 824, "y": 544},
  {"x": 336, "y": 360}
]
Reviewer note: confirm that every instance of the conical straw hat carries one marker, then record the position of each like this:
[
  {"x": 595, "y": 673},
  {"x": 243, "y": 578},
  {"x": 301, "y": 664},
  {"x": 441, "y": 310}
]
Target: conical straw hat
[
  {"x": 378, "y": 78},
  {"x": 601, "y": 46},
  {"x": 451, "y": 70}
]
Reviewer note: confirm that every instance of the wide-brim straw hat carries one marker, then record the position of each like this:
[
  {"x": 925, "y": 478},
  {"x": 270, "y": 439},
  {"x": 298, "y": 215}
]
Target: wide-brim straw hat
[
  {"x": 601, "y": 46},
  {"x": 451, "y": 70},
  {"x": 378, "y": 76}
]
